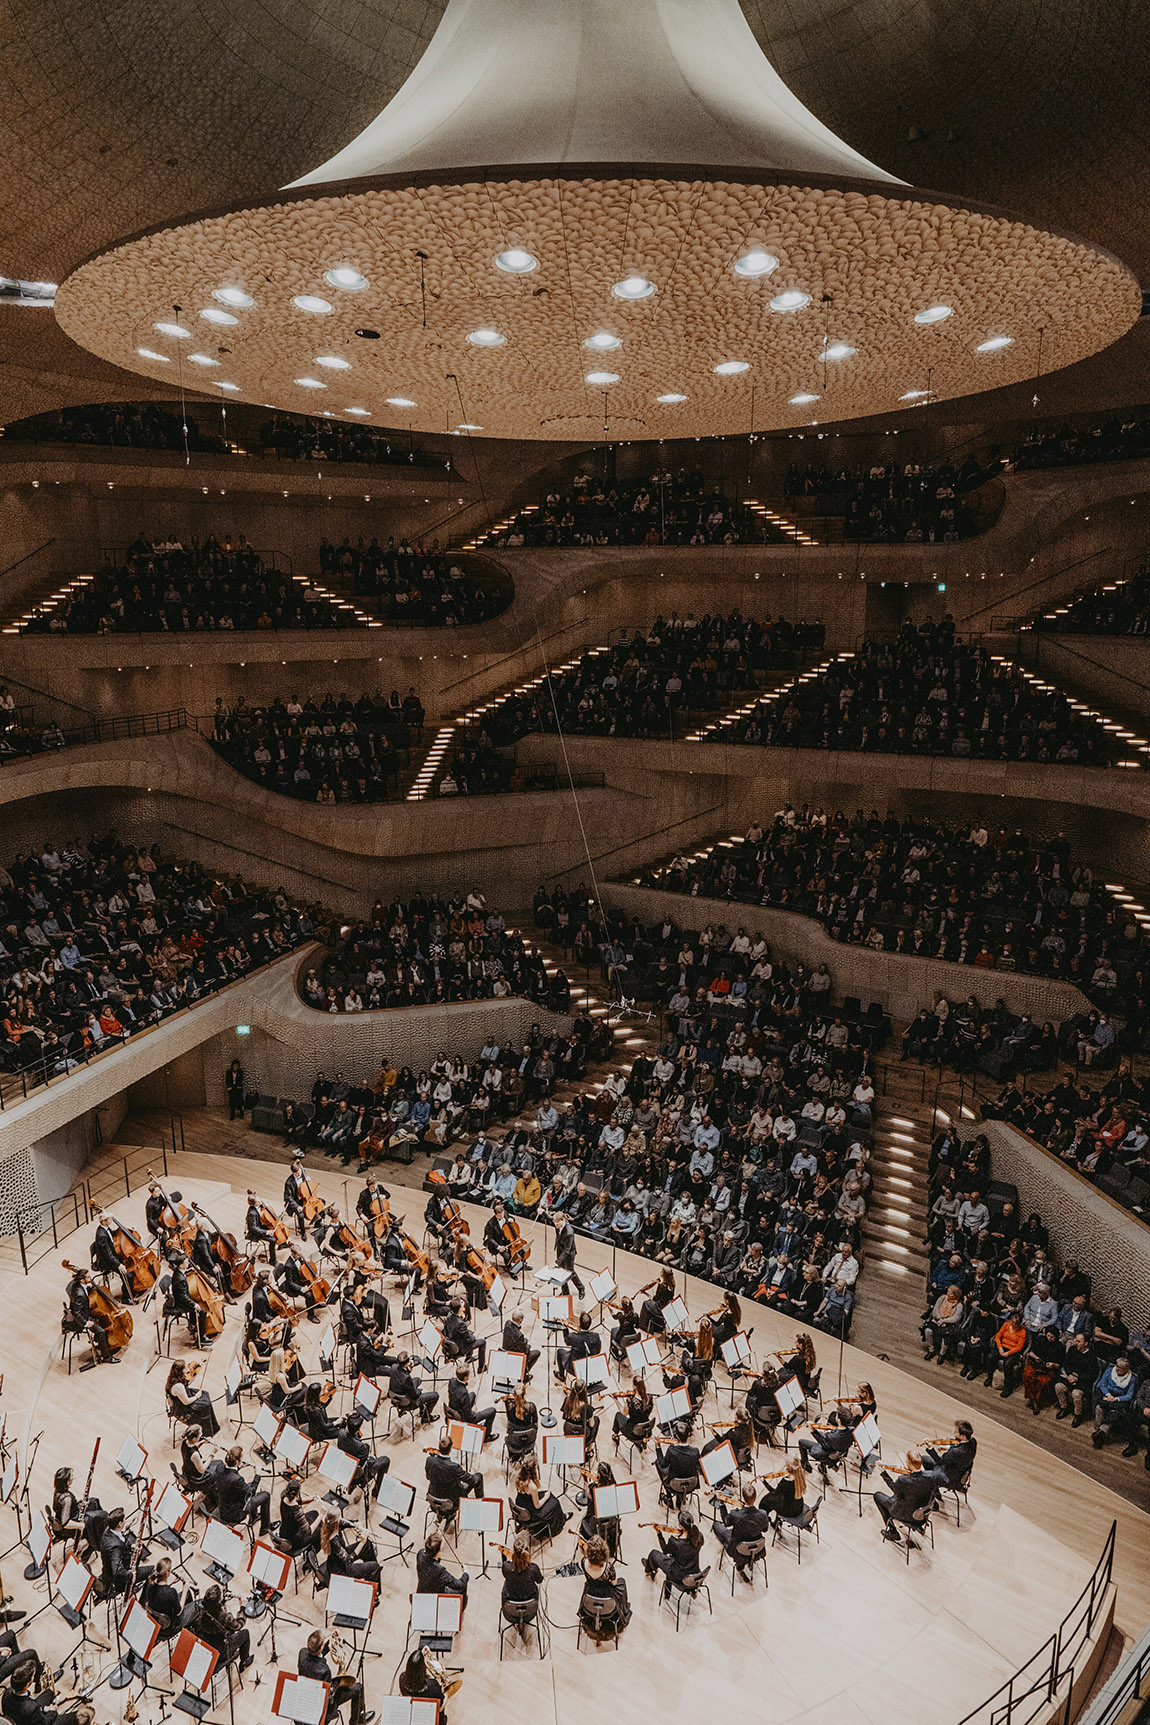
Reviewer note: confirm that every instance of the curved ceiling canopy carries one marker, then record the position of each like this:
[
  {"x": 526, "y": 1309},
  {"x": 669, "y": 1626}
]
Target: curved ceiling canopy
[{"x": 579, "y": 213}]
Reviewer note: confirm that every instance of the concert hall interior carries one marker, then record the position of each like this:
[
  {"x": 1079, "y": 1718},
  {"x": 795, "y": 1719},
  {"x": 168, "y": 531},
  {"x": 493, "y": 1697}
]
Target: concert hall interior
[{"x": 575, "y": 1082}]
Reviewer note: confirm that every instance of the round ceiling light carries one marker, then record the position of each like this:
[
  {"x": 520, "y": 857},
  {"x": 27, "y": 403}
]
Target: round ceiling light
[
  {"x": 360, "y": 410},
  {"x": 220, "y": 385},
  {"x": 803, "y": 398},
  {"x": 202, "y": 359},
  {"x": 150, "y": 353},
  {"x": 310, "y": 383},
  {"x": 486, "y": 338},
  {"x": 602, "y": 341},
  {"x": 332, "y": 362},
  {"x": 343, "y": 276},
  {"x": 602, "y": 377},
  {"x": 794, "y": 299},
  {"x": 670, "y": 398},
  {"x": 312, "y": 302},
  {"x": 516, "y": 262},
  {"x": 633, "y": 287},
  {"x": 232, "y": 296},
  {"x": 400, "y": 401},
  {"x": 173, "y": 329},
  {"x": 212, "y": 314},
  {"x": 838, "y": 350},
  {"x": 994, "y": 343},
  {"x": 756, "y": 263},
  {"x": 728, "y": 367},
  {"x": 933, "y": 314}
]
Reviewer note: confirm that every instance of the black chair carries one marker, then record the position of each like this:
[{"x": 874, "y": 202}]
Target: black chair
[
  {"x": 442, "y": 1512},
  {"x": 959, "y": 1490},
  {"x": 638, "y": 1440},
  {"x": 807, "y": 1521},
  {"x": 516, "y": 1615},
  {"x": 676, "y": 1492},
  {"x": 919, "y": 1523},
  {"x": 748, "y": 1553},
  {"x": 677, "y": 1593},
  {"x": 599, "y": 1618}
]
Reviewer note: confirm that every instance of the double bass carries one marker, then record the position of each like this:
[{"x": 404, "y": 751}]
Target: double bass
[
  {"x": 141, "y": 1264},
  {"x": 208, "y": 1299},
  {"x": 238, "y": 1271},
  {"x": 113, "y": 1314},
  {"x": 175, "y": 1218}
]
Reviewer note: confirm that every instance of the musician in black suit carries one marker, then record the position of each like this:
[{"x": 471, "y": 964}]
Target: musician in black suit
[
  {"x": 107, "y": 1260},
  {"x": 954, "y": 1460},
  {"x": 461, "y": 1403},
  {"x": 433, "y": 1576},
  {"x": 911, "y": 1494},
  {"x": 293, "y": 1202},
  {"x": 405, "y": 1388},
  {"x": 447, "y": 1479},
  {"x": 369, "y": 1468},
  {"x": 677, "y": 1461},
  {"x": 179, "y": 1302},
  {"x": 515, "y": 1341},
  {"x": 84, "y": 1321},
  {"x": 256, "y": 1229},
  {"x": 237, "y": 1499},
  {"x": 566, "y": 1247},
  {"x": 827, "y": 1445},
  {"x": 344, "y": 1692},
  {"x": 741, "y": 1526},
  {"x": 23, "y": 1705},
  {"x": 462, "y": 1337},
  {"x": 578, "y": 1344}
]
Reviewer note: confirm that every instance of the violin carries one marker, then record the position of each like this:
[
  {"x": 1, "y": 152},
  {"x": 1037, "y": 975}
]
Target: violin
[
  {"x": 141, "y": 1264},
  {"x": 518, "y": 1251},
  {"x": 661, "y": 1527},
  {"x": 237, "y": 1268}
]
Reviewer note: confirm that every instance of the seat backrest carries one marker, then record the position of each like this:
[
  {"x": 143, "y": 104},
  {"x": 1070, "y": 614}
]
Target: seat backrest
[
  {"x": 441, "y": 1505},
  {"x": 598, "y": 1607},
  {"x": 692, "y": 1583},
  {"x": 684, "y": 1486},
  {"x": 750, "y": 1548}
]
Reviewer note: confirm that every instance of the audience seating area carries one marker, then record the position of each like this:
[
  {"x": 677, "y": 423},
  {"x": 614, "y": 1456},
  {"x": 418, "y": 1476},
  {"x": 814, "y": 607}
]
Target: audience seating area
[
  {"x": 1000, "y": 1306},
  {"x": 323, "y": 751},
  {"x": 103, "y": 939},
  {"x": 925, "y": 694},
  {"x": 427, "y": 952},
  {"x": 1000, "y": 900},
  {"x": 1102, "y": 1132},
  {"x": 1111, "y": 440},
  {"x": 1116, "y": 608},
  {"x": 414, "y": 584},
  {"x": 665, "y": 508},
  {"x": 892, "y": 502},
  {"x": 172, "y": 588}
]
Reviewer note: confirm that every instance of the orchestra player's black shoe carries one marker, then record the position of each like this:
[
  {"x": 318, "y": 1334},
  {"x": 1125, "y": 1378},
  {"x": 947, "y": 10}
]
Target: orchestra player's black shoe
[
  {"x": 889, "y": 1533},
  {"x": 1131, "y": 1449},
  {"x": 1062, "y": 1414}
]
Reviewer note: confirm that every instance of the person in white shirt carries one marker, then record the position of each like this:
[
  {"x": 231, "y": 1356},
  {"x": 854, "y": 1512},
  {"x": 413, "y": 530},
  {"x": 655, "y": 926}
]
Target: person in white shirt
[{"x": 842, "y": 1267}]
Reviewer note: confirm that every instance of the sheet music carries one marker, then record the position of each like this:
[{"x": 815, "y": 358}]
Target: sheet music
[
  {"x": 613, "y": 1500},
  {"x": 292, "y": 1445},
  {"x": 552, "y": 1273},
  {"x": 563, "y": 1451},
  {"x": 200, "y": 1664},
  {"x": 8, "y": 1478},
  {"x": 866, "y": 1436},
  {"x": 367, "y": 1393},
  {"x": 556, "y": 1309},
  {"x": 395, "y": 1495},
  {"x": 504, "y": 1365},
  {"x": 139, "y": 1629},
  {"x": 347, "y": 1597},
  {"x": 675, "y": 1316},
  {"x": 172, "y": 1506},
  {"x": 300, "y": 1698},
  {"x": 436, "y": 1613},
  {"x": 467, "y": 1439},
  {"x": 327, "y": 1342},
  {"x": 497, "y": 1294},
  {"x": 132, "y": 1458},
  {"x": 644, "y": 1354},
  {"x": 399, "y": 1710},
  {"x": 592, "y": 1370},
  {"x": 430, "y": 1339},
  {"x": 269, "y": 1566},
  {"x": 675, "y": 1405},
  {"x": 718, "y": 1464},
  {"x": 233, "y": 1378},
  {"x": 603, "y": 1285},
  {"x": 222, "y": 1544},
  {"x": 736, "y": 1351},
  {"x": 481, "y": 1515},
  {"x": 266, "y": 1424},
  {"x": 39, "y": 1538},
  {"x": 336, "y": 1465},
  {"x": 75, "y": 1582},
  {"x": 789, "y": 1397}
]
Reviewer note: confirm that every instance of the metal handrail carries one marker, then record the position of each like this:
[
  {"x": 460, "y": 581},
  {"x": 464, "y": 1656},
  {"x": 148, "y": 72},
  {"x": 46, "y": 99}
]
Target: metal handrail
[
  {"x": 86, "y": 1200},
  {"x": 1124, "y": 1686},
  {"x": 1053, "y": 1665}
]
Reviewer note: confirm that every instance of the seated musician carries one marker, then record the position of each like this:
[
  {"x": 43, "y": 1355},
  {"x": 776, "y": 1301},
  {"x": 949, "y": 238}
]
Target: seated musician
[
  {"x": 760, "y": 1401},
  {"x": 497, "y": 1245},
  {"x": 314, "y": 1417},
  {"x": 154, "y": 1214},
  {"x": 743, "y": 1525},
  {"x": 418, "y": 1682},
  {"x": 739, "y": 1434},
  {"x": 345, "y": 1691},
  {"x": 438, "y": 1294},
  {"x": 238, "y": 1499},
  {"x": 369, "y": 1468},
  {"x": 600, "y": 1580},
  {"x": 785, "y": 1497},
  {"x": 296, "y": 1531},
  {"x": 956, "y": 1459},
  {"x": 829, "y": 1444},
  {"x": 295, "y": 1286},
  {"x": 910, "y": 1496},
  {"x": 199, "y": 1467},
  {"x": 462, "y": 1405},
  {"x": 14, "y": 1658},
  {"x": 433, "y": 1575},
  {"x": 23, "y": 1704},
  {"x": 65, "y": 1512},
  {"x": 193, "y": 1406},
  {"x": 107, "y": 1260},
  {"x": 726, "y": 1321},
  {"x": 626, "y": 1330},
  {"x": 677, "y": 1556},
  {"x": 435, "y": 1214},
  {"x": 82, "y": 1320},
  {"x": 448, "y": 1478},
  {"x": 179, "y": 1303},
  {"x": 633, "y": 1421},
  {"x": 372, "y": 1353},
  {"x": 676, "y": 1461},
  {"x": 117, "y": 1564},
  {"x": 522, "y": 1417},
  {"x": 256, "y": 1230},
  {"x": 545, "y": 1515},
  {"x": 329, "y": 1228},
  {"x": 404, "y": 1387},
  {"x": 582, "y": 1343},
  {"x": 229, "y": 1635},
  {"x": 656, "y": 1302},
  {"x": 372, "y": 1206},
  {"x": 515, "y": 1341},
  {"x": 344, "y": 1549},
  {"x": 462, "y": 1337},
  {"x": 578, "y": 1414},
  {"x": 522, "y": 1578},
  {"x": 159, "y": 1597},
  {"x": 293, "y": 1197},
  {"x": 607, "y": 1527},
  {"x": 696, "y": 1365}
]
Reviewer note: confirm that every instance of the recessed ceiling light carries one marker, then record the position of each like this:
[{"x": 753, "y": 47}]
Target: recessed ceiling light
[
  {"x": 147, "y": 353},
  {"x": 933, "y": 314},
  {"x": 202, "y": 359},
  {"x": 633, "y": 287},
  {"x": 839, "y": 350},
  {"x": 312, "y": 302},
  {"x": 803, "y": 398},
  {"x": 486, "y": 338},
  {"x": 343, "y": 276},
  {"x": 361, "y": 410},
  {"x": 368, "y": 334},
  {"x": 174, "y": 329},
  {"x": 214, "y": 315},
  {"x": 333, "y": 362},
  {"x": 914, "y": 394},
  {"x": 232, "y": 296},
  {"x": 792, "y": 300},
  {"x": 756, "y": 263},
  {"x": 516, "y": 262},
  {"x": 310, "y": 383},
  {"x": 227, "y": 385},
  {"x": 728, "y": 367},
  {"x": 400, "y": 401},
  {"x": 468, "y": 427},
  {"x": 670, "y": 397},
  {"x": 603, "y": 377},
  {"x": 995, "y": 342},
  {"x": 602, "y": 341}
]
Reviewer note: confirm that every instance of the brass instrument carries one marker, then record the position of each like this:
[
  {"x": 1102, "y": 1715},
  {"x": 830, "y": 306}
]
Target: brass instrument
[
  {"x": 341, "y": 1656},
  {"x": 449, "y": 1679}
]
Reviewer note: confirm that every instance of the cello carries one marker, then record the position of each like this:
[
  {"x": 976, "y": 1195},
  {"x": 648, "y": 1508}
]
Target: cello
[
  {"x": 453, "y": 1220},
  {"x": 239, "y": 1273},
  {"x": 379, "y": 1217},
  {"x": 518, "y": 1251},
  {"x": 141, "y": 1264},
  {"x": 175, "y": 1218},
  {"x": 275, "y": 1225},
  {"x": 471, "y": 1259},
  {"x": 310, "y": 1201},
  {"x": 318, "y": 1289}
]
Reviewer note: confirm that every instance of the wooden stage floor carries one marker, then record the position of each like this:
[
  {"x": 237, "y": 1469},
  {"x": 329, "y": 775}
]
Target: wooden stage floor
[{"x": 852, "y": 1635}]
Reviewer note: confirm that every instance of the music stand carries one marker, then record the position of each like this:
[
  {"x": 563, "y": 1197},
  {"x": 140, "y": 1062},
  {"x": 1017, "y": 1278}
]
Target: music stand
[
  {"x": 292, "y": 1446},
  {"x": 351, "y": 1605},
  {"x": 269, "y": 1571},
  {"x": 508, "y": 1370},
  {"x": 644, "y": 1355},
  {"x": 467, "y": 1439},
  {"x": 132, "y": 1465},
  {"x": 73, "y": 1586},
  {"x": 235, "y": 1382},
  {"x": 564, "y": 1452},
  {"x": 430, "y": 1338},
  {"x": 497, "y": 1297},
  {"x": 194, "y": 1661},
  {"x": 671, "y": 1406},
  {"x": 736, "y": 1352},
  {"x": 169, "y": 1505},
  {"x": 792, "y": 1405},
  {"x": 302, "y": 1700},
  {"x": 437, "y": 1619},
  {"x": 676, "y": 1316},
  {"x": 396, "y": 1498},
  {"x": 608, "y": 1502},
  {"x": 867, "y": 1440},
  {"x": 337, "y": 1466},
  {"x": 481, "y": 1515},
  {"x": 718, "y": 1464},
  {"x": 39, "y": 1544},
  {"x": 327, "y": 1347},
  {"x": 400, "y": 1710},
  {"x": 266, "y": 1426},
  {"x": 226, "y": 1550},
  {"x": 138, "y": 1631},
  {"x": 603, "y": 1287}
]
